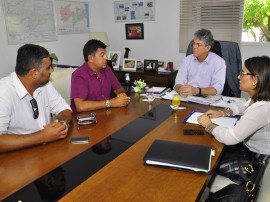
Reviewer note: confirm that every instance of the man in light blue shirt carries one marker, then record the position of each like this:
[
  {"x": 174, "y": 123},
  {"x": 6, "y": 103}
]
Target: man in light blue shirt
[{"x": 203, "y": 72}]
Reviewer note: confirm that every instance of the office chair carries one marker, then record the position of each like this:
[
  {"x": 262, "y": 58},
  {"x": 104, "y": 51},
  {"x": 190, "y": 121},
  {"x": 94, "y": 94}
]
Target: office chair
[
  {"x": 232, "y": 56},
  {"x": 230, "y": 52}
]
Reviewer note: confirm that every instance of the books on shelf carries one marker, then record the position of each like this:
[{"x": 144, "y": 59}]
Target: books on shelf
[
  {"x": 178, "y": 155},
  {"x": 221, "y": 121}
]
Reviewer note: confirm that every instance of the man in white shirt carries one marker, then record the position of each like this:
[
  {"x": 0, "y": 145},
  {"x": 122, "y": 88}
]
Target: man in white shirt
[
  {"x": 203, "y": 72},
  {"x": 27, "y": 99}
]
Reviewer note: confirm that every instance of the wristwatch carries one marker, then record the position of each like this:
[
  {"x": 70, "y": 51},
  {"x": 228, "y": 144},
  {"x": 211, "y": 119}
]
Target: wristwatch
[
  {"x": 200, "y": 92},
  {"x": 107, "y": 103},
  {"x": 65, "y": 123}
]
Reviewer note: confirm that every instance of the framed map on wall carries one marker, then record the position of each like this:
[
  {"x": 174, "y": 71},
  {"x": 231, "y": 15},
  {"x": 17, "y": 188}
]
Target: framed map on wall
[
  {"x": 72, "y": 17},
  {"x": 29, "y": 21},
  {"x": 143, "y": 10}
]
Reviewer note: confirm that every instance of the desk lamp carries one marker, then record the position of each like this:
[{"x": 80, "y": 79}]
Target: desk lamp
[{"x": 101, "y": 36}]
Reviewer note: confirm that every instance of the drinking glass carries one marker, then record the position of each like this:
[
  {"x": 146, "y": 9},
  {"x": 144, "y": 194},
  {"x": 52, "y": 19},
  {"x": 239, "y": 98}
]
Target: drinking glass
[
  {"x": 149, "y": 94},
  {"x": 176, "y": 100}
]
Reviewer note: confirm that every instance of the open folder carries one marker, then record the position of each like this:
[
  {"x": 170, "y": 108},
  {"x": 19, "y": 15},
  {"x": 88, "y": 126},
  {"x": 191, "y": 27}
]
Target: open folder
[
  {"x": 177, "y": 155},
  {"x": 221, "y": 121}
]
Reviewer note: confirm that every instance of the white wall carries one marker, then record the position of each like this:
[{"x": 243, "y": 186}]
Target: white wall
[{"x": 160, "y": 37}]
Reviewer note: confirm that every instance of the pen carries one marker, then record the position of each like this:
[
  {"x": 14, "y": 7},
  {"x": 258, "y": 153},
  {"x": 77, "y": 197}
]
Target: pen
[{"x": 228, "y": 101}]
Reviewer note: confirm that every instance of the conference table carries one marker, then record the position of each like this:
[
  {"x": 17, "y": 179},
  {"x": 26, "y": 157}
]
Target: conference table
[{"x": 110, "y": 167}]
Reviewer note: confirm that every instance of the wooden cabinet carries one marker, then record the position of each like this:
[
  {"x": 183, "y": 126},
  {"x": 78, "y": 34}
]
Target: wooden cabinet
[{"x": 150, "y": 78}]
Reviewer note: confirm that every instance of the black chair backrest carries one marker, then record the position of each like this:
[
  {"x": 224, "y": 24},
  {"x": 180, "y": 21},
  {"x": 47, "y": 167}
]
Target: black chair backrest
[{"x": 216, "y": 48}]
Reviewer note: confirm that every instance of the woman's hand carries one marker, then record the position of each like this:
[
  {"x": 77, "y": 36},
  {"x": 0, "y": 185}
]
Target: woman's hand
[
  {"x": 204, "y": 120},
  {"x": 214, "y": 113}
]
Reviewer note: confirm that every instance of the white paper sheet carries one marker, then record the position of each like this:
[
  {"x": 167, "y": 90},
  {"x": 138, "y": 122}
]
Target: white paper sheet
[{"x": 221, "y": 121}]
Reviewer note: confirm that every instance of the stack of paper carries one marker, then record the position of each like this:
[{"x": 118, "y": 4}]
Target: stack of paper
[
  {"x": 159, "y": 91},
  {"x": 169, "y": 96},
  {"x": 201, "y": 100},
  {"x": 229, "y": 101}
]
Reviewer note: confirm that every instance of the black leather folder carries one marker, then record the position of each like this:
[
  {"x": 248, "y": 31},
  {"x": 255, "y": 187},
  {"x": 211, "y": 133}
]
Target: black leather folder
[{"x": 177, "y": 155}]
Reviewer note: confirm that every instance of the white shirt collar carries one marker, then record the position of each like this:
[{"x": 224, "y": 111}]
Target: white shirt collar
[{"x": 20, "y": 89}]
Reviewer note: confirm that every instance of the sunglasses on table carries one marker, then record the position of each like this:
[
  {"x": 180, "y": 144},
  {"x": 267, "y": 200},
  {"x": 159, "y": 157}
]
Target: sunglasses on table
[{"x": 34, "y": 105}]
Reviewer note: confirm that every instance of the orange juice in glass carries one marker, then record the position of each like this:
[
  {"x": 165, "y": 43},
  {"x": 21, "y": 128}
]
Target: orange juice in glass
[{"x": 176, "y": 100}]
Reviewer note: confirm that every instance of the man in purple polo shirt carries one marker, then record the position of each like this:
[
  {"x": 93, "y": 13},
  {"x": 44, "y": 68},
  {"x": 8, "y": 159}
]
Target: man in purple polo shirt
[
  {"x": 203, "y": 72},
  {"x": 91, "y": 84}
]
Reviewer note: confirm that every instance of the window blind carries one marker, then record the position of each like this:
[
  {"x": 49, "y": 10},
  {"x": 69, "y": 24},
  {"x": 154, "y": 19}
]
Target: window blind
[{"x": 222, "y": 17}]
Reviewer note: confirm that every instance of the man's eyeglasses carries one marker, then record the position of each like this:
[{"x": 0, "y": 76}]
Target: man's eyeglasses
[
  {"x": 34, "y": 108},
  {"x": 242, "y": 73},
  {"x": 197, "y": 44}
]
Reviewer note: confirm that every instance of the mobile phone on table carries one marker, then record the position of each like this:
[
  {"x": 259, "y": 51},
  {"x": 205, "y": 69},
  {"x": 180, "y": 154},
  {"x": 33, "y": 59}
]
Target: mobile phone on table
[
  {"x": 87, "y": 119},
  {"x": 79, "y": 140},
  {"x": 192, "y": 132},
  {"x": 91, "y": 116}
]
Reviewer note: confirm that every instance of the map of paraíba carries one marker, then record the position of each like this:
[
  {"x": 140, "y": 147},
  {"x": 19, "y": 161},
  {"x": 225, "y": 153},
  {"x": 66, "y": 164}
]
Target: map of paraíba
[
  {"x": 29, "y": 21},
  {"x": 72, "y": 17}
]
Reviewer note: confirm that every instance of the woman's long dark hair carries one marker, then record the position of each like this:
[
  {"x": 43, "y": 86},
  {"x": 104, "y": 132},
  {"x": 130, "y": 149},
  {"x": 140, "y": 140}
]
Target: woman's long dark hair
[{"x": 260, "y": 67}]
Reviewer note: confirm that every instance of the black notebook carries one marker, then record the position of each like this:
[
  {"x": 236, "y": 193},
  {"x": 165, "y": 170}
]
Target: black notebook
[{"x": 177, "y": 155}]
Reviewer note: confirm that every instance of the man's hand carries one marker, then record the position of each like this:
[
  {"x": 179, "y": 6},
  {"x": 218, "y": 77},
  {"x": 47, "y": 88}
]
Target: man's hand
[
  {"x": 54, "y": 131},
  {"x": 186, "y": 90},
  {"x": 120, "y": 101},
  {"x": 122, "y": 95}
]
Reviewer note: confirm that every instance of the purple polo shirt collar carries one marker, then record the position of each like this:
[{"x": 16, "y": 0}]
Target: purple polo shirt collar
[{"x": 90, "y": 70}]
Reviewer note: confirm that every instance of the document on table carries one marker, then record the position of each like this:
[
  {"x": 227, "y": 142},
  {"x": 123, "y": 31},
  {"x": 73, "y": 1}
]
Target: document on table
[
  {"x": 201, "y": 100},
  {"x": 160, "y": 91},
  {"x": 169, "y": 96},
  {"x": 229, "y": 102},
  {"x": 221, "y": 121}
]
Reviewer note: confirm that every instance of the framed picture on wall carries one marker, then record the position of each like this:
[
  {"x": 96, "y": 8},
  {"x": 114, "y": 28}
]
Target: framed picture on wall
[
  {"x": 114, "y": 57},
  {"x": 134, "y": 31},
  {"x": 129, "y": 64},
  {"x": 150, "y": 65}
]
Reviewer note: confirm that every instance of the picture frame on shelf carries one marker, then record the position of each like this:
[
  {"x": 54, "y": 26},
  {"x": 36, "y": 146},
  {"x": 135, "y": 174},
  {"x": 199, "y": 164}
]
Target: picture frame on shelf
[
  {"x": 169, "y": 66},
  {"x": 139, "y": 65},
  {"x": 150, "y": 65},
  {"x": 114, "y": 57},
  {"x": 129, "y": 64},
  {"x": 162, "y": 67},
  {"x": 134, "y": 31},
  {"x": 161, "y": 64}
]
